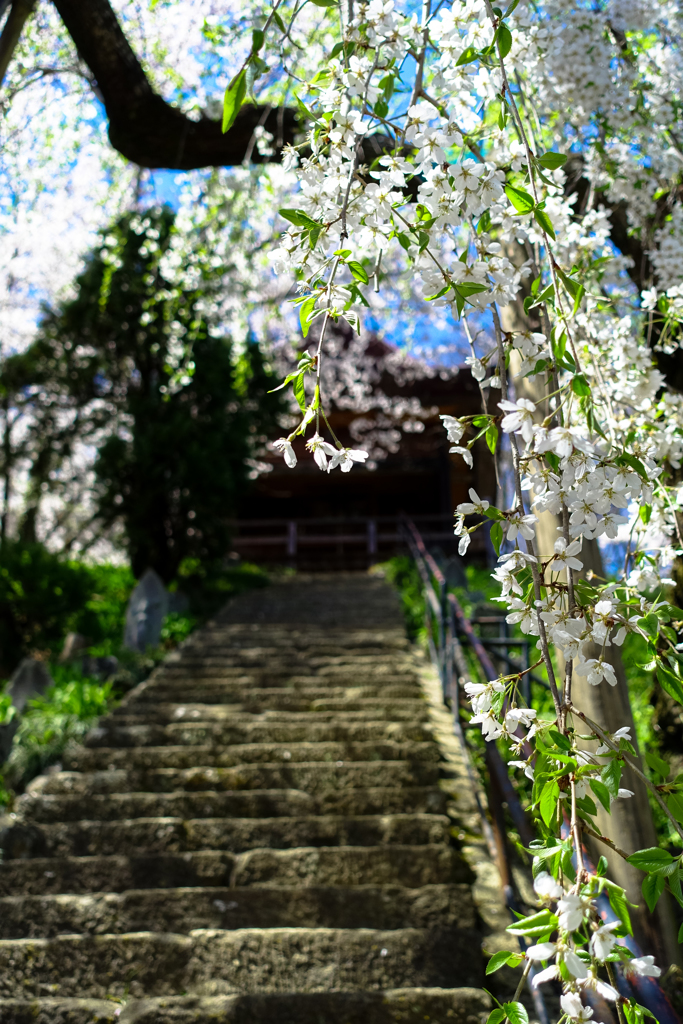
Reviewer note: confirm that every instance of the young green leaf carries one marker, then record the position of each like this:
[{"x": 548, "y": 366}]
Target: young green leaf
[
  {"x": 305, "y": 309},
  {"x": 544, "y": 222},
  {"x": 299, "y": 218},
  {"x": 580, "y": 385},
  {"x": 358, "y": 271},
  {"x": 653, "y": 887},
  {"x": 548, "y": 801},
  {"x": 536, "y": 924},
  {"x": 504, "y": 39},
  {"x": 653, "y": 859},
  {"x": 602, "y": 793},
  {"x": 467, "y": 56},
  {"x": 516, "y": 1013},
  {"x": 492, "y": 437},
  {"x": 658, "y": 765},
  {"x": 551, "y": 161},
  {"x": 234, "y": 98},
  {"x": 300, "y": 392},
  {"x": 499, "y": 960},
  {"x": 257, "y": 39},
  {"x": 521, "y": 200},
  {"x": 611, "y": 777},
  {"x": 496, "y": 536},
  {"x": 324, "y": 3}
]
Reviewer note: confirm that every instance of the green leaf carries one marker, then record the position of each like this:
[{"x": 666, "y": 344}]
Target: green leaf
[
  {"x": 548, "y": 802},
  {"x": 300, "y": 392},
  {"x": 580, "y": 385},
  {"x": 580, "y": 292},
  {"x": 645, "y": 513},
  {"x": 290, "y": 377},
  {"x": 466, "y": 289},
  {"x": 516, "y": 1013},
  {"x": 257, "y": 39},
  {"x": 279, "y": 22},
  {"x": 358, "y": 271},
  {"x": 650, "y": 623},
  {"x": 552, "y": 161},
  {"x": 521, "y": 200},
  {"x": 674, "y": 801},
  {"x": 492, "y": 437},
  {"x": 305, "y": 309},
  {"x": 299, "y": 218},
  {"x": 499, "y": 960},
  {"x": 496, "y": 1016},
  {"x": 670, "y": 683},
  {"x": 467, "y": 56},
  {"x": 602, "y": 867},
  {"x": 562, "y": 741},
  {"x": 234, "y": 98},
  {"x": 652, "y": 860},
  {"x": 496, "y": 536},
  {"x": 653, "y": 887},
  {"x": 658, "y": 765},
  {"x": 536, "y": 924},
  {"x": 620, "y": 906},
  {"x": 544, "y": 221},
  {"x": 504, "y": 40},
  {"x": 611, "y": 777},
  {"x": 324, "y": 3},
  {"x": 602, "y": 793}
]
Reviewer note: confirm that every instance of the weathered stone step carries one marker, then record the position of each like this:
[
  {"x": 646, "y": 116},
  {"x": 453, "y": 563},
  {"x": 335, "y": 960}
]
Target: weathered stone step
[
  {"x": 98, "y": 759},
  {"x": 287, "y": 673},
  {"x": 183, "y": 910},
  {"x": 282, "y": 654},
  {"x": 411, "y": 866},
  {"x": 113, "y": 733},
  {"x": 250, "y": 960},
  {"x": 178, "y": 835},
  {"x": 246, "y": 804},
  {"x": 289, "y": 697},
  {"x": 313, "y": 778},
  {"x": 369, "y": 710},
  {"x": 407, "y": 1006},
  {"x": 396, "y": 1006}
]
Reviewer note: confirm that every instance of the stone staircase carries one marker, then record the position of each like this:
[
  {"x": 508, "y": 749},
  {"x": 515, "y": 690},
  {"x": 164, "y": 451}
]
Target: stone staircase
[{"x": 259, "y": 832}]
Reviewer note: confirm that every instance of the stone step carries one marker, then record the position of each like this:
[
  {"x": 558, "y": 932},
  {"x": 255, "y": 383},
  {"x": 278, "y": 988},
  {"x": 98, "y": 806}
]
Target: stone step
[
  {"x": 411, "y": 866},
  {"x": 289, "y": 673},
  {"x": 209, "y": 962},
  {"x": 288, "y": 697},
  {"x": 183, "y": 910},
  {"x": 313, "y": 778},
  {"x": 86, "y": 759},
  {"x": 115, "y": 734},
  {"x": 346, "y": 711},
  {"x": 394, "y": 1006},
  {"x": 254, "y": 803},
  {"x": 177, "y": 835}
]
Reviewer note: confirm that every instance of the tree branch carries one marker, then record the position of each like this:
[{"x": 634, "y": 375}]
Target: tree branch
[
  {"x": 11, "y": 33},
  {"x": 143, "y": 127}
]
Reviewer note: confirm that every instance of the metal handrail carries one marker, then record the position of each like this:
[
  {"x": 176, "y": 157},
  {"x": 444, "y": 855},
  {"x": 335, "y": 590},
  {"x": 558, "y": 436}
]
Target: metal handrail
[{"x": 453, "y": 623}]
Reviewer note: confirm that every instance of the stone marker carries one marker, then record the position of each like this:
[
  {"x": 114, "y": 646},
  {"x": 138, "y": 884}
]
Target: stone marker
[
  {"x": 30, "y": 680},
  {"x": 74, "y": 645},
  {"x": 146, "y": 611}
]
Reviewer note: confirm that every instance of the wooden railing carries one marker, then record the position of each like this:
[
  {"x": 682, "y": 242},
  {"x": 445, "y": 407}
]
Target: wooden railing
[{"x": 287, "y": 539}]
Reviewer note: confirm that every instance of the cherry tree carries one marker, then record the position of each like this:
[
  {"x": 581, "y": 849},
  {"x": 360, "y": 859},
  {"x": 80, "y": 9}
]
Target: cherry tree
[
  {"x": 512, "y": 148},
  {"x": 515, "y": 170}
]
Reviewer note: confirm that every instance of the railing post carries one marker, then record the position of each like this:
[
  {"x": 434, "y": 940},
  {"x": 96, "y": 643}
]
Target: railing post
[
  {"x": 291, "y": 538},
  {"x": 372, "y": 537}
]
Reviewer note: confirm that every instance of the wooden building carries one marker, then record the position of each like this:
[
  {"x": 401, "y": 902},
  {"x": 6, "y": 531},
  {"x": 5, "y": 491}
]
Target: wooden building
[{"x": 316, "y": 519}]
